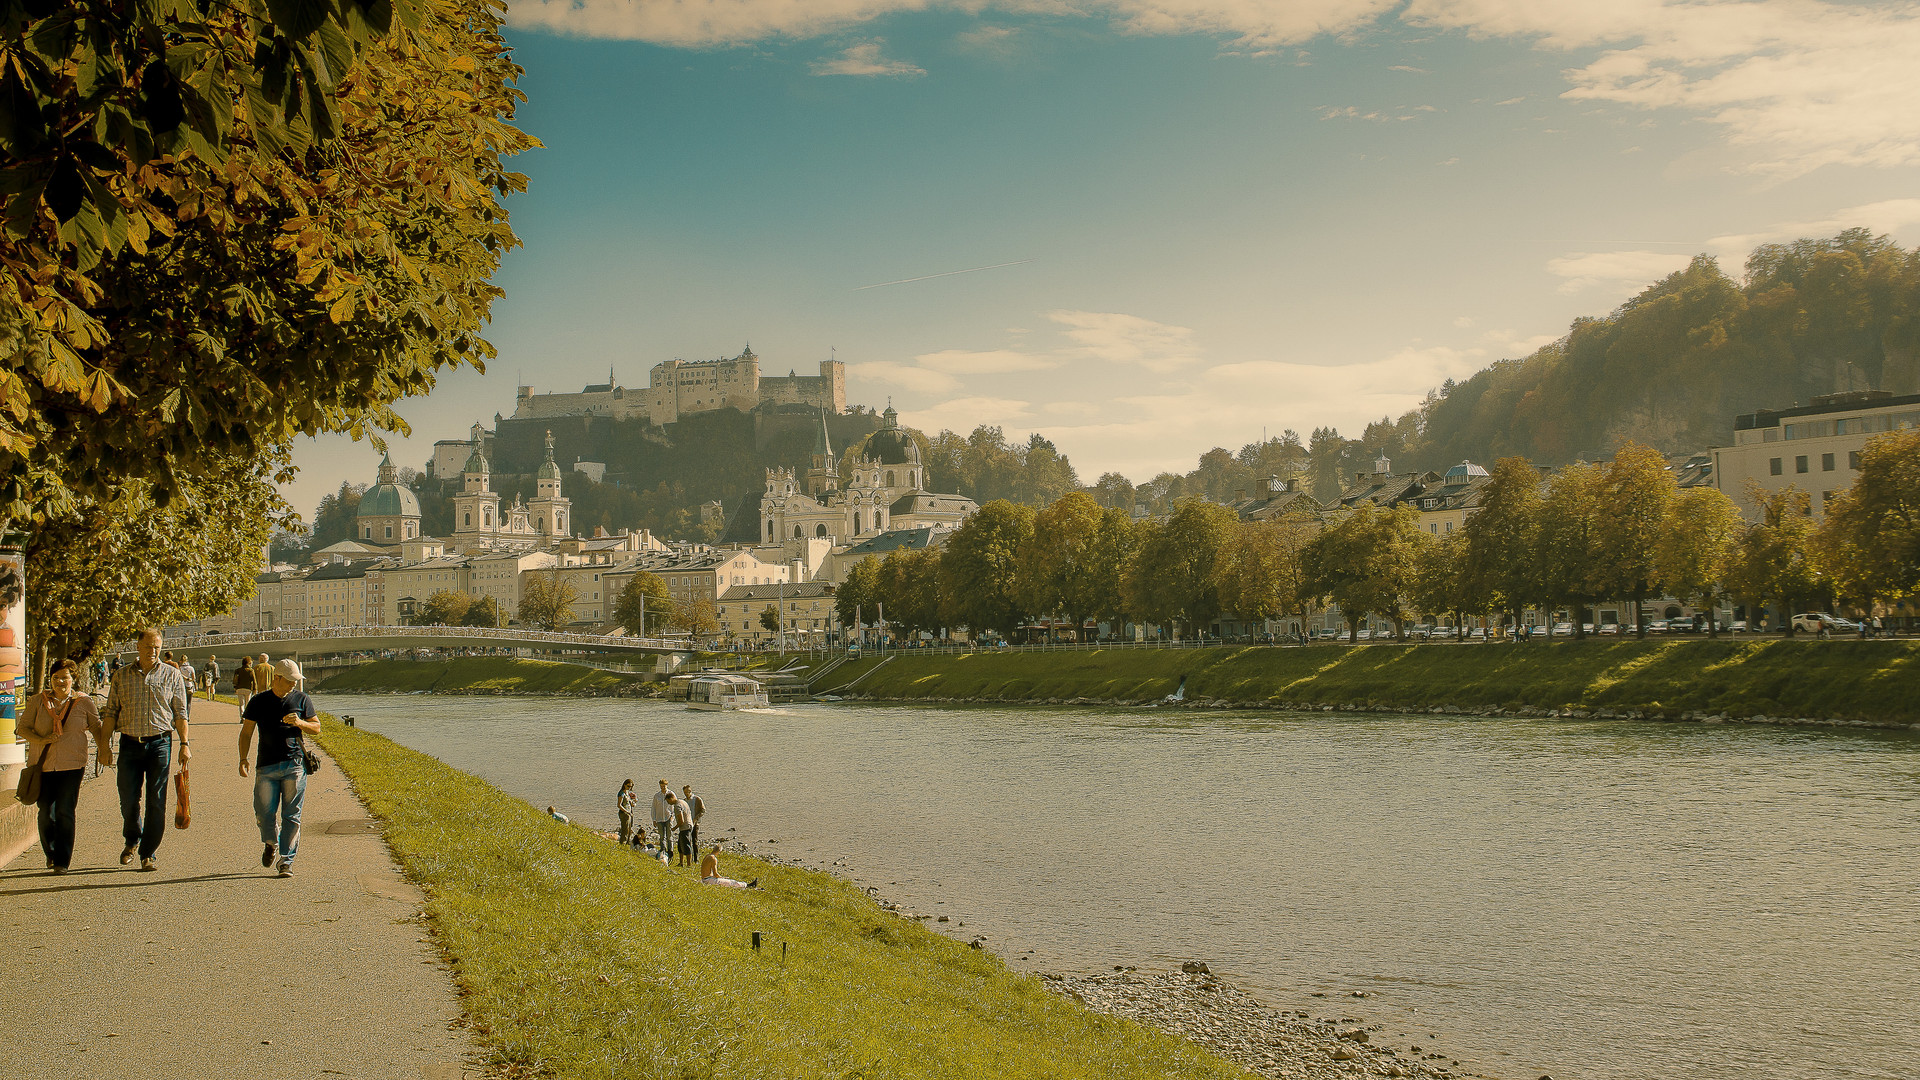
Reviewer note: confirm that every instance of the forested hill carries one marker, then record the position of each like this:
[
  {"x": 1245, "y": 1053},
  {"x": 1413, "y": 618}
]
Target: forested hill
[{"x": 1673, "y": 366}]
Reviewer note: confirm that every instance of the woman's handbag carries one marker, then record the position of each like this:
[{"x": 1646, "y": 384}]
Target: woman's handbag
[
  {"x": 182, "y": 814},
  {"x": 29, "y": 790}
]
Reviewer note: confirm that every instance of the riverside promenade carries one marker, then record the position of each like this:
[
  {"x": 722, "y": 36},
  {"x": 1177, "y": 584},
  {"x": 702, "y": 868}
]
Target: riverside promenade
[{"x": 213, "y": 967}]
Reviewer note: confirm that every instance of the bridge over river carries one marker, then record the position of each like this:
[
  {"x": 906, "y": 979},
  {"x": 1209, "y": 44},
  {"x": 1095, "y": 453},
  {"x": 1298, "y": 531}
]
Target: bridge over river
[{"x": 342, "y": 641}]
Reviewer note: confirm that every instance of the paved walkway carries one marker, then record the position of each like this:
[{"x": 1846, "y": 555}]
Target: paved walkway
[{"x": 213, "y": 967}]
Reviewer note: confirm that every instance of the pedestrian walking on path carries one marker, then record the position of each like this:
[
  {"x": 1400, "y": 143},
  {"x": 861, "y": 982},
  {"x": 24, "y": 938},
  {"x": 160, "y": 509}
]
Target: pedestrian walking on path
[
  {"x": 147, "y": 706},
  {"x": 243, "y": 682},
  {"x": 281, "y": 715},
  {"x": 626, "y": 802},
  {"x": 663, "y": 816},
  {"x": 262, "y": 674},
  {"x": 697, "y": 809},
  {"x": 56, "y": 726}
]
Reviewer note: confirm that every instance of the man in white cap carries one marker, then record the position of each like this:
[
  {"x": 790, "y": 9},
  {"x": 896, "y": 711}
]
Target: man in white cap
[{"x": 283, "y": 713}]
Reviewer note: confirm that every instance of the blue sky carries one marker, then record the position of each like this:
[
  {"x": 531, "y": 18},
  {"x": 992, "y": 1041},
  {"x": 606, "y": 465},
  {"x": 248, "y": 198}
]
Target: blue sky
[{"x": 1222, "y": 215}]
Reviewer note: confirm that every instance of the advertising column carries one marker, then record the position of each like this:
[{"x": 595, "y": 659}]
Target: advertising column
[{"x": 13, "y": 662}]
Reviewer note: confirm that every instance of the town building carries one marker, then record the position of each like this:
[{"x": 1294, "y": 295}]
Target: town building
[
  {"x": 409, "y": 585},
  {"x": 498, "y": 576},
  {"x": 885, "y": 491},
  {"x": 694, "y": 575},
  {"x": 843, "y": 559},
  {"x": 1815, "y": 448},
  {"x": 1280, "y": 499},
  {"x": 337, "y": 595},
  {"x": 481, "y": 523},
  {"x": 676, "y": 388},
  {"x": 806, "y": 610}
]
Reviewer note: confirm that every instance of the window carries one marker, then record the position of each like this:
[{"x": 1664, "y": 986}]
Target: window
[
  {"x": 1853, "y": 459},
  {"x": 1800, "y": 464},
  {"x": 1773, "y": 466},
  {"x": 390, "y": 528},
  {"x": 1826, "y": 462},
  {"x": 466, "y": 519}
]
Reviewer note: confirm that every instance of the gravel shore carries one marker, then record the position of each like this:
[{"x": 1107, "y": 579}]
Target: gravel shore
[{"x": 1198, "y": 1006}]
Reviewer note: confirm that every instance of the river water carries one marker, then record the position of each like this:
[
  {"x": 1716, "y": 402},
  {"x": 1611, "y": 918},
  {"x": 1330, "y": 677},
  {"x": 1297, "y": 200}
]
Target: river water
[{"x": 1580, "y": 899}]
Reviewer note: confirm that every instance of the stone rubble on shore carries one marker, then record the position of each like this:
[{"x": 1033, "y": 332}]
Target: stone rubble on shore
[{"x": 1195, "y": 1005}]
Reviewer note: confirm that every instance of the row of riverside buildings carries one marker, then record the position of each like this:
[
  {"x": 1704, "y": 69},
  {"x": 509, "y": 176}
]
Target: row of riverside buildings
[{"x": 812, "y": 528}]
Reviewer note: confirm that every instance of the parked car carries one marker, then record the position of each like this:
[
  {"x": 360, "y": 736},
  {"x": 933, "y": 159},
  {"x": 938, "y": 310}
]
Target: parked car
[
  {"x": 1478, "y": 633},
  {"x": 1563, "y": 629},
  {"x": 1586, "y": 628},
  {"x": 1364, "y": 635},
  {"x": 1609, "y": 629},
  {"x": 1537, "y": 631},
  {"x": 1737, "y": 626},
  {"x": 1657, "y": 626},
  {"x": 1814, "y": 621}
]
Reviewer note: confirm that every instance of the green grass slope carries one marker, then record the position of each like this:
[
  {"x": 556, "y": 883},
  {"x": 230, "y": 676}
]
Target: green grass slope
[
  {"x": 471, "y": 673},
  {"x": 577, "y": 958},
  {"x": 1845, "y": 680}
]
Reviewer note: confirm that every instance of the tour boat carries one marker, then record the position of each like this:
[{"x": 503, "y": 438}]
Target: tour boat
[{"x": 712, "y": 693}]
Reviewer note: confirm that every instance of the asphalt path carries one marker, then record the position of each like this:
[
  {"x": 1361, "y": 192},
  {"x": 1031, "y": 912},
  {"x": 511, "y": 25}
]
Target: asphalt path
[{"x": 212, "y": 966}]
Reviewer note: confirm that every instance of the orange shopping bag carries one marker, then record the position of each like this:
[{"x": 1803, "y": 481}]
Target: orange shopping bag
[{"x": 182, "y": 815}]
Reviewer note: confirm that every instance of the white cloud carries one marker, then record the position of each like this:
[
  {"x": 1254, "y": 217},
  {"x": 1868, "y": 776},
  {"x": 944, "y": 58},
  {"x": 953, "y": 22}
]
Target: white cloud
[
  {"x": 1509, "y": 343},
  {"x": 1584, "y": 270},
  {"x": 1889, "y": 216},
  {"x": 865, "y": 59},
  {"x": 1127, "y": 339},
  {"x": 905, "y": 376},
  {"x": 990, "y": 38},
  {"x": 989, "y": 362},
  {"x": 966, "y": 413},
  {"x": 1797, "y": 83}
]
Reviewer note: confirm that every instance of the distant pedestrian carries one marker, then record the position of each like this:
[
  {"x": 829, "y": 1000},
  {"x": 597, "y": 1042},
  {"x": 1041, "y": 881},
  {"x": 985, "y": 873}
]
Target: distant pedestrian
[
  {"x": 663, "y": 815},
  {"x": 147, "y": 705},
  {"x": 213, "y": 675},
  {"x": 55, "y": 725},
  {"x": 243, "y": 683},
  {"x": 262, "y": 674},
  {"x": 283, "y": 713},
  {"x": 683, "y": 830},
  {"x": 698, "y": 809},
  {"x": 626, "y": 802}
]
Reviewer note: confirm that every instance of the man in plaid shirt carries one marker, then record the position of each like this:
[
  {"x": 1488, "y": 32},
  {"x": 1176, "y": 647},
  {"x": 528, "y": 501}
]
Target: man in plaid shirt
[{"x": 147, "y": 705}]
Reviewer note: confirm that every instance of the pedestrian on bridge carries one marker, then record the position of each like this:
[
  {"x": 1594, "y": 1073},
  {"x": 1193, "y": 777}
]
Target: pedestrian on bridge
[{"x": 147, "y": 705}]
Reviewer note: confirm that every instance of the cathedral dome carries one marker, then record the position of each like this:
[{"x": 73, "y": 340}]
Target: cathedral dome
[
  {"x": 892, "y": 444},
  {"x": 388, "y": 498}
]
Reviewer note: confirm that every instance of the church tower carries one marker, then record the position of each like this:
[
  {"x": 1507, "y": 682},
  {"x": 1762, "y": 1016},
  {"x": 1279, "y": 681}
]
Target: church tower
[
  {"x": 550, "y": 508},
  {"x": 824, "y": 474},
  {"x": 476, "y": 510}
]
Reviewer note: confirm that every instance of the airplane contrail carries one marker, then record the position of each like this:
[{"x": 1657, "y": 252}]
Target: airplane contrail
[{"x": 950, "y": 273}]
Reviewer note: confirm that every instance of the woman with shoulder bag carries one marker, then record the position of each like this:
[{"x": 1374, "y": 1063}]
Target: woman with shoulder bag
[
  {"x": 56, "y": 726},
  {"x": 243, "y": 682}
]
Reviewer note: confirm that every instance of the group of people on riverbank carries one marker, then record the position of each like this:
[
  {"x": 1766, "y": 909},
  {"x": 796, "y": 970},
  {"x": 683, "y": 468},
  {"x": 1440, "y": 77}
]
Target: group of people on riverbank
[
  {"x": 147, "y": 706},
  {"x": 676, "y": 825}
]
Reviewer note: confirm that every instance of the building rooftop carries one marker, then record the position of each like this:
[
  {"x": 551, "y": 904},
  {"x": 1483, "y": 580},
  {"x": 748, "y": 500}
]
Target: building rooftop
[{"x": 1850, "y": 401}]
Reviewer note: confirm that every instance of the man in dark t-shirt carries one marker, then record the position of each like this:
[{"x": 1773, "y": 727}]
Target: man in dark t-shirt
[{"x": 283, "y": 713}]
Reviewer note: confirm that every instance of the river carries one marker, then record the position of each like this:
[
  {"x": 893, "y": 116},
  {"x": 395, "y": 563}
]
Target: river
[{"x": 1580, "y": 899}]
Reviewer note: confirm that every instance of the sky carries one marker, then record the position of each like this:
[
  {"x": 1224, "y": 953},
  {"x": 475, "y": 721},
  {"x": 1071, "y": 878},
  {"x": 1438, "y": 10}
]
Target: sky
[{"x": 1144, "y": 228}]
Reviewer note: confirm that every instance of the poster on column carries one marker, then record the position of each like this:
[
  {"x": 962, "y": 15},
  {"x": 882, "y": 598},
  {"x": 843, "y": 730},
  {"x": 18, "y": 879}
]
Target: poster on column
[{"x": 13, "y": 653}]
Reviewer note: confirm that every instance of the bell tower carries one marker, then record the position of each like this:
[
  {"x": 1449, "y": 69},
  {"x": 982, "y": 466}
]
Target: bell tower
[{"x": 550, "y": 509}]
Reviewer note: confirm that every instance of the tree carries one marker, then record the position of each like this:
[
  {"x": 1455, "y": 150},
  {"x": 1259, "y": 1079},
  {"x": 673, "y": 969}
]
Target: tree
[
  {"x": 1572, "y": 529},
  {"x": 695, "y": 616},
  {"x": 1113, "y": 490},
  {"x": 1176, "y": 575},
  {"x": 1636, "y": 494},
  {"x": 100, "y": 571},
  {"x": 1440, "y": 584},
  {"x": 910, "y": 590},
  {"x": 979, "y": 565},
  {"x": 1367, "y": 564},
  {"x": 1877, "y": 521},
  {"x": 444, "y": 608},
  {"x": 1108, "y": 565},
  {"x": 1771, "y": 562},
  {"x": 546, "y": 600},
  {"x": 1261, "y": 578},
  {"x": 1694, "y": 547},
  {"x": 644, "y": 606},
  {"x": 1052, "y": 573},
  {"x": 230, "y": 224},
  {"x": 1499, "y": 566},
  {"x": 854, "y": 600},
  {"x": 770, "y": 619},
  {"x": 484, "y": 611}
]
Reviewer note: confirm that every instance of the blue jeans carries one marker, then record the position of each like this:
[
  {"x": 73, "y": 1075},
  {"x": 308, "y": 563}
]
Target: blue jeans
[
  {"x": 59, "y": 795},
  {"x": 144, "y": 763},
  {"x": 278, "y": 791}
]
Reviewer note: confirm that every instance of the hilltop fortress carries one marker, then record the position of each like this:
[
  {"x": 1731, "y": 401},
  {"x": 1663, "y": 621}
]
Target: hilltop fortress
[{"x": 676, "y": 388}]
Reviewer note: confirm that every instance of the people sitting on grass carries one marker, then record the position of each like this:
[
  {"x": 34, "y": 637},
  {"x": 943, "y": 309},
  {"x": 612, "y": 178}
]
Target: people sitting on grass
[
  {"x": 710, "y": 873},
  {"x": 646, "y": 847}
]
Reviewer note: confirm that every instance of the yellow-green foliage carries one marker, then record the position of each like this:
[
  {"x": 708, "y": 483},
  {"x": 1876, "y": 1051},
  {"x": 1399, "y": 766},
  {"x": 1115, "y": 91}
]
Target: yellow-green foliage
[
  {"x": 580, "y": 959},
  {"x": 1854, "y": 680},
  {"x": 476, "y": 673}
]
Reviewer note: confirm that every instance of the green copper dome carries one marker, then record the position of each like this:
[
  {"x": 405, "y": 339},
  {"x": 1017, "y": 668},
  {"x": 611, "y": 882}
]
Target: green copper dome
[
  {"x": 549, "y": 469},
  {"x": 388, "y": 498}
]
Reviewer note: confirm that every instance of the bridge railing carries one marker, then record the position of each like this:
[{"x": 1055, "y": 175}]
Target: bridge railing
[{"x": 401, "y": 633}]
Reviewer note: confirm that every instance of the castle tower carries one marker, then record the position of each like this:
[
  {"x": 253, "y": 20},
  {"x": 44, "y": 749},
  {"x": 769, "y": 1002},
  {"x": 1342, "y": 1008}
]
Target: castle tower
[
  {"x": 550, "y": 508},
  {"x": 824, "y": 475},
  {"x": 476, "y": 510}
]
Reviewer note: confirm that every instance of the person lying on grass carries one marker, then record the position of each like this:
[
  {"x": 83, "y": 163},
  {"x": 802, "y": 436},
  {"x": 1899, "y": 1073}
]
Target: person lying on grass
[
  {"x": 641, "y": 845},
  {"x": 710, "y": 873}
]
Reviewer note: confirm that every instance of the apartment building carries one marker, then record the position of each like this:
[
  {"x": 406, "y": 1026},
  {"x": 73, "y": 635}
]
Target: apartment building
[{"x": 1815, "y": 448}]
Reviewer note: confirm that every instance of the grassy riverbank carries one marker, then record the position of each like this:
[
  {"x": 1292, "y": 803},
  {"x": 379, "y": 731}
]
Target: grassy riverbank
[
  {"x": 1877, "y": 681},
  {"x": 578, "y": 959},
  {"x": 478, "y": 674}
]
